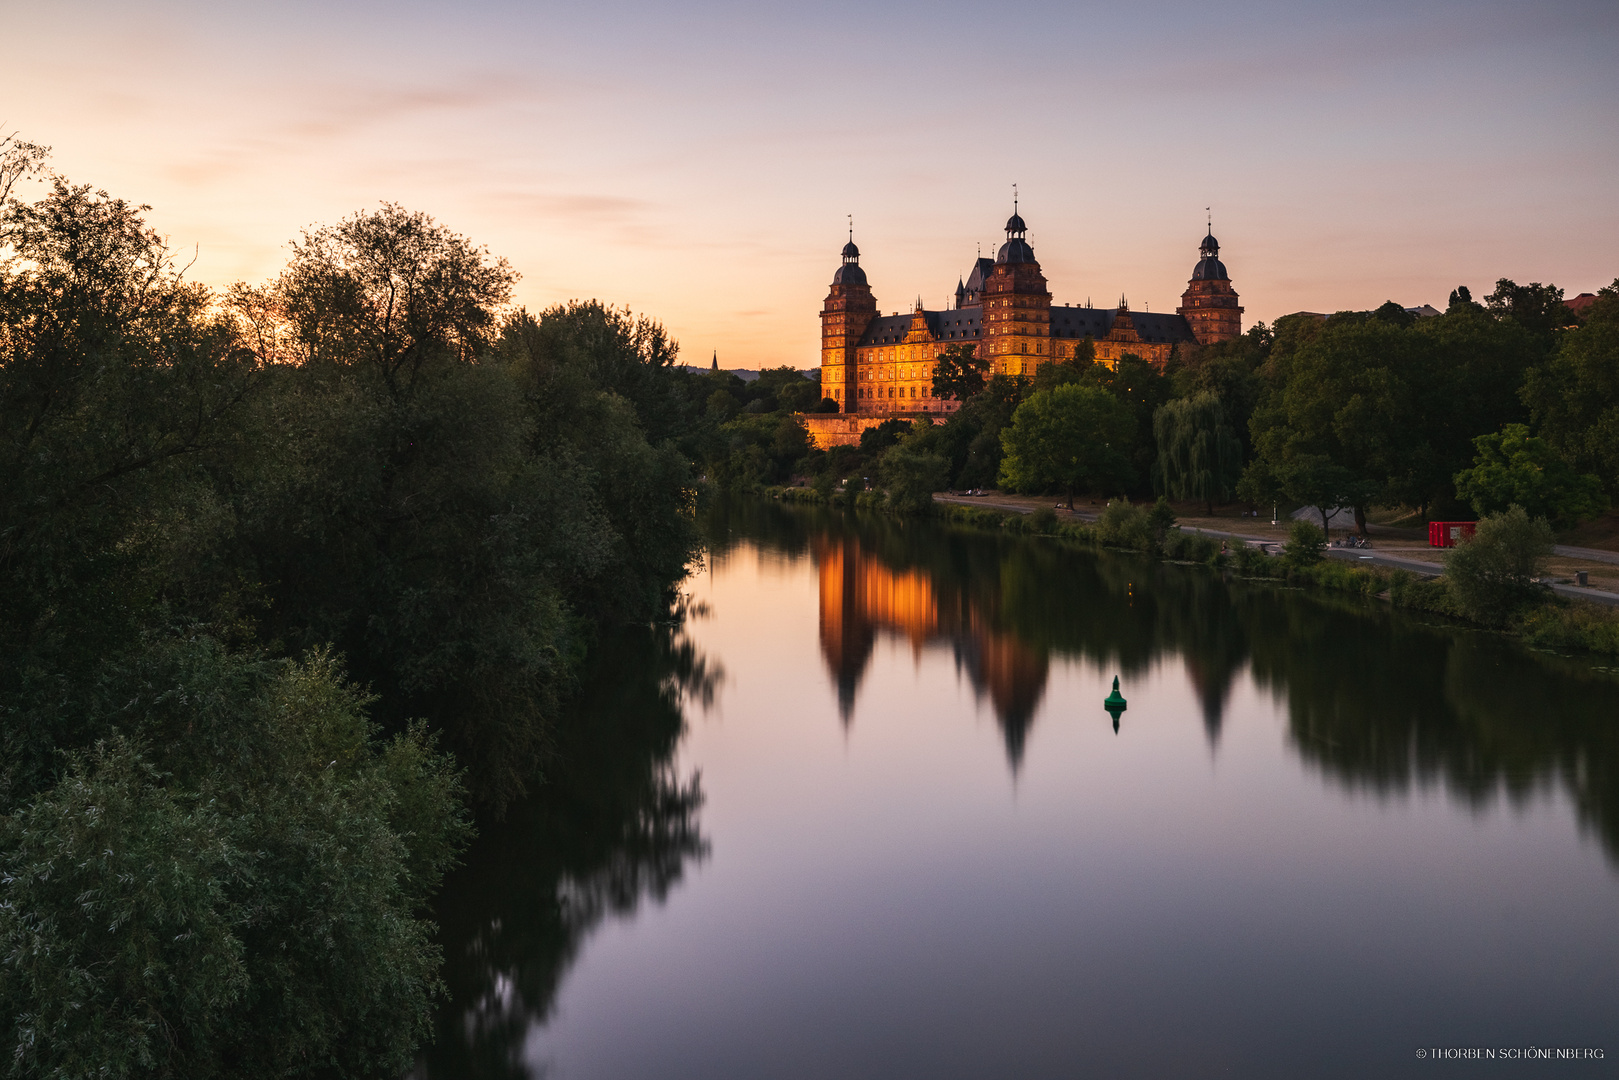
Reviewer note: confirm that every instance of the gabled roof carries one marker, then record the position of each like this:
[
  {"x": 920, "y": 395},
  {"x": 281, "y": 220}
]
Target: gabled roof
[{"x": 981, "y": 269}]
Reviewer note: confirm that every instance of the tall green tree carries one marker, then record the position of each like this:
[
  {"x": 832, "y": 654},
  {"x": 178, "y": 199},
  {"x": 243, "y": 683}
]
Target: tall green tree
[
  {"x": 1199, "y": 455},
  {"x": 1574, "y": 395},
  {"x": 1339, "y": 416},
  {"x": 1515, "y": 468},
  {"x": 1069, "y": 438}
]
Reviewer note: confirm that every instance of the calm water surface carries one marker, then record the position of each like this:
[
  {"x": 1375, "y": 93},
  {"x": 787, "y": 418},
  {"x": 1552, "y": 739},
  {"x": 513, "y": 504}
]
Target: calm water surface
[{"x": 863, "y": 816}]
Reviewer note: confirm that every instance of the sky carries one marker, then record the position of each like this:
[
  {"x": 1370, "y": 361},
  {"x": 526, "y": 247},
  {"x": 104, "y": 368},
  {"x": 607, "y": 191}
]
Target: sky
[{"x": 698, "y": 162}]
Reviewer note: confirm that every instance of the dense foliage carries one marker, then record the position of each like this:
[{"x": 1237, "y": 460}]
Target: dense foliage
[{"x": 217, "y": 849}]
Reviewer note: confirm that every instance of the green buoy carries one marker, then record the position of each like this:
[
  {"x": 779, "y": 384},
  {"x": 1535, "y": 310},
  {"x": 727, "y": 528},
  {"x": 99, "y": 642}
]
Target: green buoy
[{"x": 1115, "y": 704}]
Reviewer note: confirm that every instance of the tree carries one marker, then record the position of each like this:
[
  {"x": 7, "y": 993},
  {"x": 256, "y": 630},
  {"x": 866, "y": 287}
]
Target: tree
[
  {"x": 1574, "y": 395},
  {"x": 1141, "y": 387},
  {"x": 18, "y": 159},
  {"x": 1199, "y": 455},
  {"x": 1067, "y": 438},
  {"x": 911, "y": 475},
  {"x": 1392, "y": 313},
  {"x": 1515, "y": 468},
  {"x": 1229, "y": 370},
  {"x": 1341, "y": 417},
  {"x": 958, "y": 374},
  {"x": 234, "y": 887},
  {"x": 1304, "y": 544},
  {"x": 1494, "y": 573},
  {"x": 879, "y": 437},
  {"x": 1537, "y": 308},
  {"x": 390, "y": 289}
]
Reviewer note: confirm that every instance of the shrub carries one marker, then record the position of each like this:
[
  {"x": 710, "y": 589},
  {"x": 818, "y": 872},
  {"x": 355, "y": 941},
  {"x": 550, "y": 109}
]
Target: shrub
[
  {"x": 1043, "y": 521},
  {"x": 1492, "y": 575},
  {"x": 1124, "y": 525},
  {"x": 1251, "y": 562},
  {"x": 1305, "y": 543},
  {"x": 1573, "y": 626},
  {"x": 1406, "y": 590},
  {"x": 1190, "y": 547}
]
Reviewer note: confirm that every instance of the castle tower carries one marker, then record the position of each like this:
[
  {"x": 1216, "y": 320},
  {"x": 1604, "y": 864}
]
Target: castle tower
[
  {"x": 846, "y": 312},
  {"x": 1209, "y": 303},
  {"x": 1017, "y": 306}
]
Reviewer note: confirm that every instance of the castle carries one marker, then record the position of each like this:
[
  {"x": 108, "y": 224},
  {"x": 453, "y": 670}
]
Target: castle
[{"x": 876, "y": 367}]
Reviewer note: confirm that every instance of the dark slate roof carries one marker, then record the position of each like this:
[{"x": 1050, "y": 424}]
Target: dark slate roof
[
  {"x": 966, "y": 324},
  {"x": 1210, "y": 269},
  {"x": 981, "y": 269},
  {"x": 1074, "y": 322},
  {"x": 1015, "y": 250},
  {"x": 958, "y": 324},
  {"x": 849, "y": 274}
]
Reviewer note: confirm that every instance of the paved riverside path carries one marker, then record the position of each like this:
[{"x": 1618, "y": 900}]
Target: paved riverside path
[
  {"x": 1594, "y": 554},
  {"x": 1365, "y": 555}
]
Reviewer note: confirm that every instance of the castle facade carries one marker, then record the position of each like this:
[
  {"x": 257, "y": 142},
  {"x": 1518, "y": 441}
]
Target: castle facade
[{"x": 876, "y": 366}]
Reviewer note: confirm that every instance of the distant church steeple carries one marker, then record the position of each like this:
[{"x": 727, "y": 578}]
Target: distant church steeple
[{"x": 715, "y": 366}]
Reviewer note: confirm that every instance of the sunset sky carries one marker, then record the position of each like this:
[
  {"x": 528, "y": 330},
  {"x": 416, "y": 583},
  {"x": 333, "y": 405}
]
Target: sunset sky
[{"x": 697, "y": 161}]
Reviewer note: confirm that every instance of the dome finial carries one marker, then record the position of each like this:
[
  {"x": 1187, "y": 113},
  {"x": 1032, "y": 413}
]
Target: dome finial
[
  {"x": 851, "y": 254},
  {"x": 1015, "y": 226}
]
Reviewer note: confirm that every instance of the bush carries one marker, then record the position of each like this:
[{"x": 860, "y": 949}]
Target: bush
[
  {"x": 1573, "y": 626},
  {"x": 1251, "y": 562},
  {"x": 1124, "y": 525},
  {"x": 1189, "y": 547},
  {"x": 1043, "y": 521},
  {"x": 1305, "y": 542},
  {"x": 1492, "y": 575}
]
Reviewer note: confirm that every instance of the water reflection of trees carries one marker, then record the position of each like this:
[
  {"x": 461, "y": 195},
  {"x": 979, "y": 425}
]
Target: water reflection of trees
[
  {"x": 1376, "y": 700},
  {"x": 611, "y": 826}
]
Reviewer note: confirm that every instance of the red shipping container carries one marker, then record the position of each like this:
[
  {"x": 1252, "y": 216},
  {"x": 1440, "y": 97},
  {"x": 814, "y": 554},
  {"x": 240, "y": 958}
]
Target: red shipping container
[{"x": 1448, "y": 533}]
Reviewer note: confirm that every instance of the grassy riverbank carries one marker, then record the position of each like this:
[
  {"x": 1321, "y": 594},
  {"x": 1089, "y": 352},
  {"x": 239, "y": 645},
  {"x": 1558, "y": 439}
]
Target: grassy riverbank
[{"x": 1552, "y": 622}]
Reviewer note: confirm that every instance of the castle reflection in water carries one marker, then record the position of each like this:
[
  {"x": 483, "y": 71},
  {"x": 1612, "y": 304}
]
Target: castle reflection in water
[{"x": 861, "y": 596}]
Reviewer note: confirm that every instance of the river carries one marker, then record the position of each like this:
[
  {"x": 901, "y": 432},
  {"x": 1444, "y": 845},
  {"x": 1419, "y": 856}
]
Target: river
[{"x": 862, "y": 814}]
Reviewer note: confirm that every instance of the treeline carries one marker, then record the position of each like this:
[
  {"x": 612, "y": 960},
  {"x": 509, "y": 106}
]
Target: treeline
[
  {"x": 1514, "y": 401},
  {"x": 290, "y": 576}
]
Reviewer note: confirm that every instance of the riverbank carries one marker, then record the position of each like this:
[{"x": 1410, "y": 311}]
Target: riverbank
[{"x": 1582, "y": 619}]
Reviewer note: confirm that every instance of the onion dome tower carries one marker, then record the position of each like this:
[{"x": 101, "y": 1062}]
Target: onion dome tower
[
  {"x": 849, "y": 307},
  {"x": 1017, "y": 305},
  {"x": 1209, "y": 304}
]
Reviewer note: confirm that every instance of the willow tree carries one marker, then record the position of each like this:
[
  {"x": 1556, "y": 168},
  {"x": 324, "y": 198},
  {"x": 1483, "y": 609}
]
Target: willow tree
[{"x": 1199, "y": 454}]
